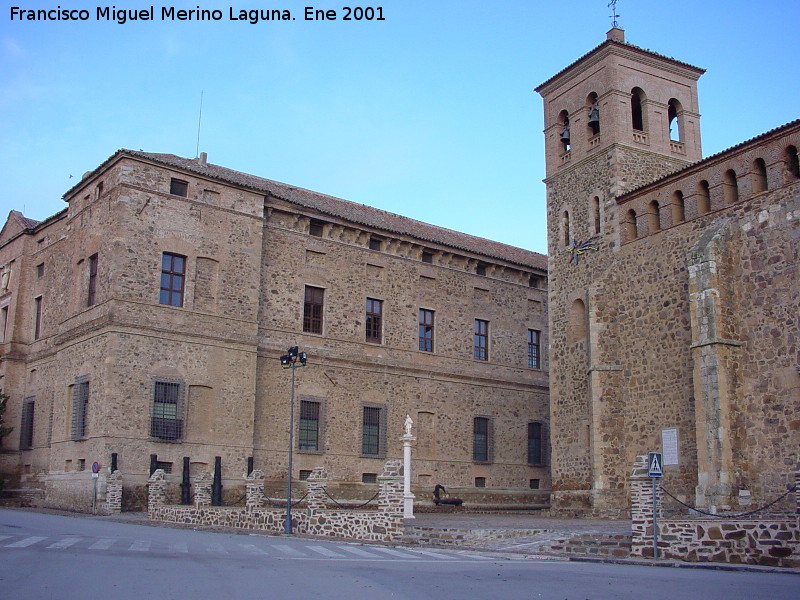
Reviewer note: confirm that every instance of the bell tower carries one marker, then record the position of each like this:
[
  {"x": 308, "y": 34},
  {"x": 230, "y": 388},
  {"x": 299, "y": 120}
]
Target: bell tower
[{"x": 617, "y": 118}]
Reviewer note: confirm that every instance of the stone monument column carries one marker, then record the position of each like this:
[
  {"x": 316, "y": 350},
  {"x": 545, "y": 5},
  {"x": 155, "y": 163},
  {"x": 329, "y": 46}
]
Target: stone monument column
[{"x": 408, "y": 497}]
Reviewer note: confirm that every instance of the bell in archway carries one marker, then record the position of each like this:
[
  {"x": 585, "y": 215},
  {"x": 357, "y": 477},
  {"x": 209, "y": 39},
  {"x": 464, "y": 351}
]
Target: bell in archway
[
  {"x": 594, "y": 115},
  {"x": 565, "y": 134}
]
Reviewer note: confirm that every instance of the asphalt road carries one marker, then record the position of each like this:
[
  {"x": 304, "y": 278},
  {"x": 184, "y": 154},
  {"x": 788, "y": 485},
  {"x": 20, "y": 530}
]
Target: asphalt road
[{"x": 45, "y": 556}]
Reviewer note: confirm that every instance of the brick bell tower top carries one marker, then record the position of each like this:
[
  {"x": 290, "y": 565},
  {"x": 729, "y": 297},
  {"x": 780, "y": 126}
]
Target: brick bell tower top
[{"x": 620, "y": 94}]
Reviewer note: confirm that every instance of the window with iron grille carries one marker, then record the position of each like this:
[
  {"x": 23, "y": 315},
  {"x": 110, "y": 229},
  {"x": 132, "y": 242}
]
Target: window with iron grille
[
  {"x": 173, "y": 276},
  {"x": 374, "y": 320},
  {"x": 80, "y": 407},
  {"x": 92, "y": 290},
  {"x": 481, "y": 439},
  {"x": 481, "y": 347},
  {"x": 534, "y": 349},
  {"x": 26, "y": 426},
  {"x": 167, "y": 419},
  {"x": 316, "y": 228},
  {"x": 536, "y": 443},
  {"x": 312, "y": 309},
  {"x": 37, "y": 327},
  {"x": 373, "y": 439},
  {"x": 178, "y": 187},
  {"x": 309, "y": 428},
  {"x": 425, "y": 330}
]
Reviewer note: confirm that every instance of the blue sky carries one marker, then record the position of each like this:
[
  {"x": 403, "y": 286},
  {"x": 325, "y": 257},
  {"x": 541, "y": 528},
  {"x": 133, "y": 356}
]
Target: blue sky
[{"x": 430, "y": 113}]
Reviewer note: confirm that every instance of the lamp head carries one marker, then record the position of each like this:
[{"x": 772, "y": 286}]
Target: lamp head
[
  {"x": 303, "y": 358},
  {"x": 286, "y": 360},
  {"x": 293, "y": 351}
]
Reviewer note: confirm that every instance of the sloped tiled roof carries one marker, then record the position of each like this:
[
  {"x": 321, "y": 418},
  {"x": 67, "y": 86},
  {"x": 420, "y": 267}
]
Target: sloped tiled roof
[
  {"x": 344, "y": 209},
  {"x": 622, "y": 45}
]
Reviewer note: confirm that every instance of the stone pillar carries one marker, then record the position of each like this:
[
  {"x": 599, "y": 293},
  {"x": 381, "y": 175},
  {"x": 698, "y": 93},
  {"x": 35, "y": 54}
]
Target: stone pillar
[
  {"x": 156, "y": 491},
  {"x": 642, "y": 508},
  {"x": 317, "y": 481},
  {"x": 202, "y": 489},
  {"x": 408, "y": 497},
  {"x": 255, "y": 489},
  {"x": 113, "y": 503},
  {"x": 390, "y": 491}
]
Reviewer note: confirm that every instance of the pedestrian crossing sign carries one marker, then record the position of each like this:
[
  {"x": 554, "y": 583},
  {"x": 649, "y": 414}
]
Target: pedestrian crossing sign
[{"x": 655, "y": 464}]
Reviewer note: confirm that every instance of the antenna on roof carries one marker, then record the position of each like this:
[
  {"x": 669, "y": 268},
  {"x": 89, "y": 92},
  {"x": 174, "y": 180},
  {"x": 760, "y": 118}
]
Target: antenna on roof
[
  {"x": 199, "y": 120},
  {"x": 614, "y": 16}
]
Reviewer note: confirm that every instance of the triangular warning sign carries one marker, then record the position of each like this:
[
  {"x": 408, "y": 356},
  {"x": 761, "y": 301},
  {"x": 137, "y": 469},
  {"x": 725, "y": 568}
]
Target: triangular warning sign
[{"x": 654, "y": 464}]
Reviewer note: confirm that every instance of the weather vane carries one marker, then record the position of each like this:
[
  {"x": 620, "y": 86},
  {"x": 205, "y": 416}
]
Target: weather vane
[{"x": 614, "y": 16}]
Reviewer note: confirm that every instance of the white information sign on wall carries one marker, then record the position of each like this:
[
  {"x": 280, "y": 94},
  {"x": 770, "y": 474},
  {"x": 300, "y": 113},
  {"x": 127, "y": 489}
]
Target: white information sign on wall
[{"x": 669, "y": 444}]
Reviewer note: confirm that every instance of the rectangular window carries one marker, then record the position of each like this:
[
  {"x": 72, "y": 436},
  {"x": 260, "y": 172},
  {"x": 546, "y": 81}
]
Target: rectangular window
[
  {"x": 425, "y": 330},
  {"x": 173, "y": 275},
  {"x": 480, "y": 482},
  {"x": 91, "y": 296},
  {"x": 316, "y": 228},
  {"x": 534, "y": 349},
  {"x": 372, "y": 432},
  {"x": 427, "y": 257},
  {"x": 40, "y": 270},
  {"x": 26, "y": 427},
  {"x": 481, "y": 439},
  {"x": 37, "y": 327},
  {"x": 4, "y": 322},
  {"x": 167, "y": 420},
  {"x": 375, "y": 243},
  {"x": 374, "y": 320},
  {"x": 80, "y": 407},
  {"x": 535, "y": 445},
  {"x": 308, "y": 434},
  {"x": 481, "y": 348},
  {"x": 312, "y": 309},
  {"x": 480, "y": 269},
  {"x": 178, "y": 187}
]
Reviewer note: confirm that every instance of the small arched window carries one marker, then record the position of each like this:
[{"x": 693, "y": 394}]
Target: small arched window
[
  {"x": 703, "y": 198},
  {"x": 593, "y": 110},
  {"x": 565, "y": 227},
  {"x": 675, "y": 116},
  {"x": 576, "y": 325},
  {"x": 637, "y": 114},
  {"x": 759, "y": 176},
  {"x": 653, "y": 217},
  {"x": 629, "y": 226},
  {"x": 793, "y": 162},
  {"x": 678, "y": 208},
  {"x": 563, "y": 135},
  {"x": 596, "y": 213},
  {"x": 730, "y": 187}
]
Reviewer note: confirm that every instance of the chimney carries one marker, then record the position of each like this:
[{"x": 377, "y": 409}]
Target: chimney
[
  {"x": 203, "y": 158},
  {"x": 615, "y": 34}
]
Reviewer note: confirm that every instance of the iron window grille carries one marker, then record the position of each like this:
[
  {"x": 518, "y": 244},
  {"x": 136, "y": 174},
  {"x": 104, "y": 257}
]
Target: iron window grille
[
  {"x": 80, "y": 407},
  {"x": 373, "y": 431},
  {"x": 534, "y": 349},
  {"x": 482, "y": 439},
  {"x": 26, "y": 426},
  {"x": 178, "y": 187},
  {"x": 537, "y": 443},
  {"x": 91, "y": 296},
  {"x": 309, "y": 427},
  {"x": 167, "y": 418}
]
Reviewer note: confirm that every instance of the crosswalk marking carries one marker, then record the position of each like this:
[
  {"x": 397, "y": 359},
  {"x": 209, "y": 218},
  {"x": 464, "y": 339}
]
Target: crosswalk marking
[
  {"x": 326, "y": 551},
  {"x": 178, "y": 547},
  {"x": 394, "y": 552},
  {"x": 4, "y": 537},
  {"x": 102, "y": 544},
  {"x": 431, "y": 554},
  {"x": 357, "y": 551},
  {"x": 65, "y": 543},
  {"x": 288, "y": 550},
  {"x": 24, "y": 543},
  {"x": 140, "y": 546},
  {"x": 216, "y": 549},
  {"x": 253, "y": 549}
]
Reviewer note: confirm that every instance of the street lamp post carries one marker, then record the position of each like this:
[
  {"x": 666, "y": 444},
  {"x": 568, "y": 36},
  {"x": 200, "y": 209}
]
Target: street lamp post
[{"x": 289, "y": 361}]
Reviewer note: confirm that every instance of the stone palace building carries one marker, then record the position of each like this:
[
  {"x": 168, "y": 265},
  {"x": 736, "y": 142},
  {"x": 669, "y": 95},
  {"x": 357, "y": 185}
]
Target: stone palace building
[{"x": 148, "y": 318}]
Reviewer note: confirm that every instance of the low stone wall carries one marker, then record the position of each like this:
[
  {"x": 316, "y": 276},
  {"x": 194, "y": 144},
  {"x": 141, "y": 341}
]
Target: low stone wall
[
  {"x": 384, "y": 524},
  {"x": 772, "y": 542},
  {"x": 591, "y": 545}
]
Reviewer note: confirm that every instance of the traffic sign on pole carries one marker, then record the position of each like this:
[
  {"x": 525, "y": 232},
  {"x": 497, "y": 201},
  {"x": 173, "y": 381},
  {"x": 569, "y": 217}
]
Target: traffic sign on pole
[{"x": 655, "y": 464}]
